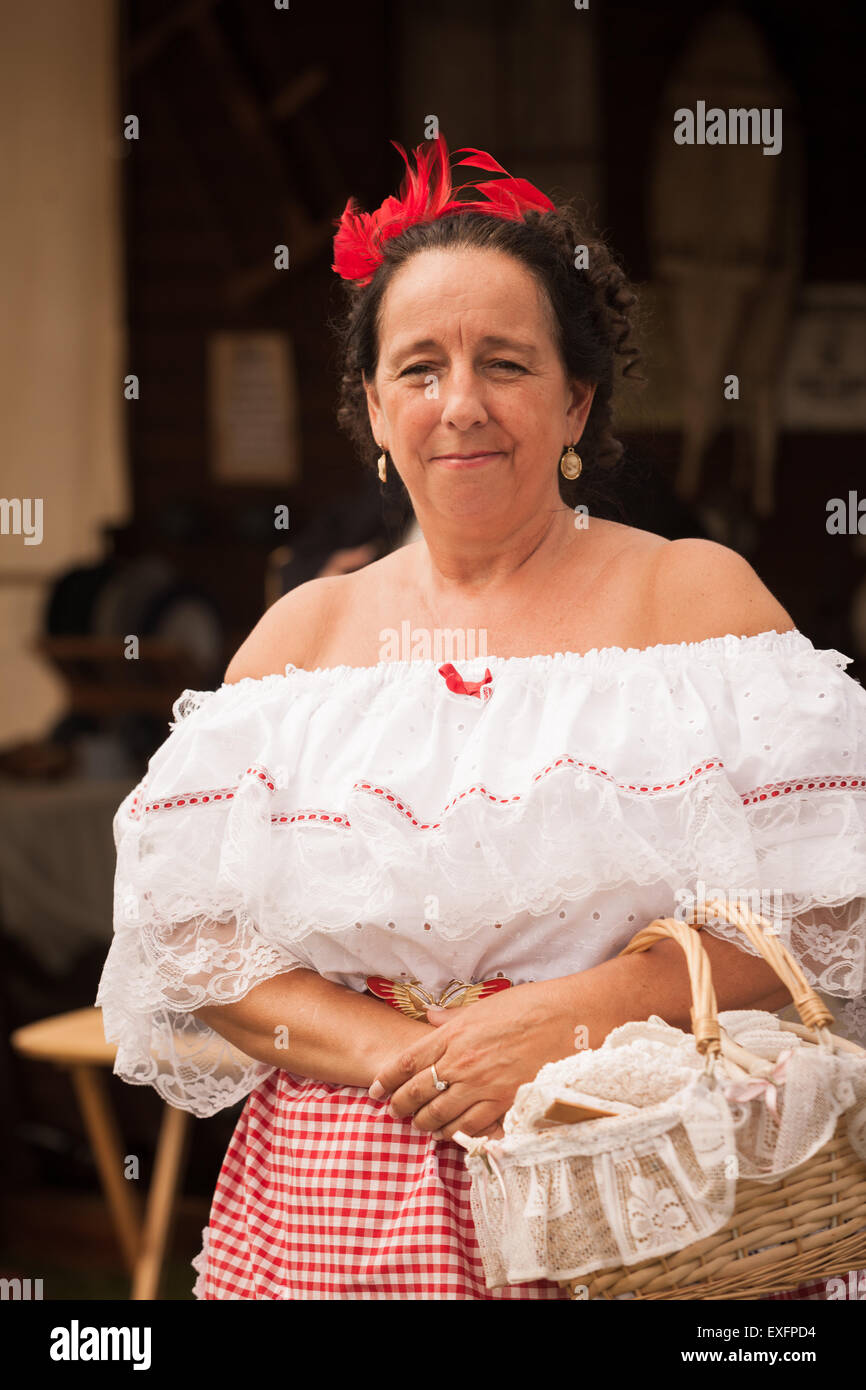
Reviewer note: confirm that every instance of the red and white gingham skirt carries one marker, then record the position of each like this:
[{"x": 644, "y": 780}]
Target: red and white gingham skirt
[{"x": 323, "y": 1194}]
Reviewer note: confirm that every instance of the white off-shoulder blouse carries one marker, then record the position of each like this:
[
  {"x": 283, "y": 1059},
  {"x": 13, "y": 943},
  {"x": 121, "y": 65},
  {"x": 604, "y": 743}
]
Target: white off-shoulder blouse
[{"x": 384, "y": 821}]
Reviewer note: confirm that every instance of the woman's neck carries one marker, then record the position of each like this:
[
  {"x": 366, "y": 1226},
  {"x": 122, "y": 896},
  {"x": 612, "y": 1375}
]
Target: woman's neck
[{"x": 481, "y": 564}]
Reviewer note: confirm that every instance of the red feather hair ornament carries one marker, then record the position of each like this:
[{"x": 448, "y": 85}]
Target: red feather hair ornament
[{"x": 426, "y": 194}]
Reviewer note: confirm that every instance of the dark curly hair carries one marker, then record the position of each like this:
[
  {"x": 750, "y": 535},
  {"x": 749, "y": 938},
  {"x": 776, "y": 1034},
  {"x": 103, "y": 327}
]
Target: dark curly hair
[{"x": 593, "y": 309}]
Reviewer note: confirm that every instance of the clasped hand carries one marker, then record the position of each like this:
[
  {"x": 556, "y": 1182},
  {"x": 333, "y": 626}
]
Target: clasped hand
[{"x": 485, "y": 1051}]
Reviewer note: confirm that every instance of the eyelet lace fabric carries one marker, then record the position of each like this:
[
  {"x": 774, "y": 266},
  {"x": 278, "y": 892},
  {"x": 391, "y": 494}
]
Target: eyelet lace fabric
[
  {"x": 359, "y": 821},
  {"x": 560, "y": 1201}
]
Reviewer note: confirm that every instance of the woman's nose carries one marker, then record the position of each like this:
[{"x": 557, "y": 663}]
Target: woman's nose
[{"x": 462, "y": 398}]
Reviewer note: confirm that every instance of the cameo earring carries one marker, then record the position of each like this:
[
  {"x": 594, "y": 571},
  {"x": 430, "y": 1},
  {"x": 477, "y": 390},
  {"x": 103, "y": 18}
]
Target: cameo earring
[
  {"x": 383, "y": 467},
  {"x": 570, "y": 464}
]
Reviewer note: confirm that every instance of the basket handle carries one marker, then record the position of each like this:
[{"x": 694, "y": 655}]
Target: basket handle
[
  {"x": 811, "y": 1008},
  {"x": 710, "y": 1037},
  {"x": 705, "y": 1009}
]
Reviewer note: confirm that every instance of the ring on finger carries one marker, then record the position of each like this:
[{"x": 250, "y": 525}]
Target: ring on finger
[{"x": 440, "y": 1085}]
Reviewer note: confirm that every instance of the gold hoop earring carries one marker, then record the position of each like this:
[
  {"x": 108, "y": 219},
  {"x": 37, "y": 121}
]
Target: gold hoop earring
[
  {"x": 570, "y": 464},
  {"x": 383, "y": 467}
]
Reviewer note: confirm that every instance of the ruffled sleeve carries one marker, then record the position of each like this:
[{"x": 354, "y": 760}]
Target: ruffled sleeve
[
  {"x": 793, "y": 730},
  {"x": 187, "y": 929}
]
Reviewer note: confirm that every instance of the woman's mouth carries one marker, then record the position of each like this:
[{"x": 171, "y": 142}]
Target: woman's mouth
[{"x": 474, "y": 460}]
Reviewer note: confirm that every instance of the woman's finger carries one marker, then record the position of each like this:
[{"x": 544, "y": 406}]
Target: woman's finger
[
  {"x": 431, "y": 1108},
  {"x": 482, "y": 1118},
  {"x": 399, "y": 1070}
]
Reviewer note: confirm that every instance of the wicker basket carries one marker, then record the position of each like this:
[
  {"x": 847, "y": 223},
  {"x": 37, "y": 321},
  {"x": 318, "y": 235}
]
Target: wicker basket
[{"x": 809, "y": 1224}]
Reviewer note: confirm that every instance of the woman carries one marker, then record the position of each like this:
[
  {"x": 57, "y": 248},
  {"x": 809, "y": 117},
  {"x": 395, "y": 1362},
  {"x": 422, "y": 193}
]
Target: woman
[{"x": 349, "y": 833}]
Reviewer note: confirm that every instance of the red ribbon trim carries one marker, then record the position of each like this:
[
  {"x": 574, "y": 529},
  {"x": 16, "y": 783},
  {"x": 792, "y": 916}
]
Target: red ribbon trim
[{"x": 455, "y": 681}]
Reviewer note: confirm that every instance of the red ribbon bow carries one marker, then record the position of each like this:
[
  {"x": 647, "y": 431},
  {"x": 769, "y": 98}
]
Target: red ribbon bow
[{"x": 455, "y": 682}]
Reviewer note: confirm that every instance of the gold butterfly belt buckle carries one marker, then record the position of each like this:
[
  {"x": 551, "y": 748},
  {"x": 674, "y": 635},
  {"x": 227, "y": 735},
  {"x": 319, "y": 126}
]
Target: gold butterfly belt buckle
[{"x": 413, "y": 999}]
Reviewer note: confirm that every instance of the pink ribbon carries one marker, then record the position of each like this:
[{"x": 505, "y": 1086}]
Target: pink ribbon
[{"x": 755, "y": 1086}]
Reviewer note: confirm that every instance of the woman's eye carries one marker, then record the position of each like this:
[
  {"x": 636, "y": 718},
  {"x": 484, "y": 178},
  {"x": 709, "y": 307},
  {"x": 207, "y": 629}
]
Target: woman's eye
[{"x": 425, "y": 367}]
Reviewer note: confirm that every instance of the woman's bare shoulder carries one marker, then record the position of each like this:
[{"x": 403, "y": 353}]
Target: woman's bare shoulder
[
  {"x": 300, "y": 628},
  {"x": 287, "y": 632},
  {"x": 702, "y": 589},
  {"x": 692, "y": 589},
  {"x": 630, "y": 540}
]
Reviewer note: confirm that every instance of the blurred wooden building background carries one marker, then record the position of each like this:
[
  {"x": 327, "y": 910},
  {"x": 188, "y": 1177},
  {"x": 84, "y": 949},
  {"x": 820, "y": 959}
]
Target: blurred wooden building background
[{"x": 154, "y": 258}]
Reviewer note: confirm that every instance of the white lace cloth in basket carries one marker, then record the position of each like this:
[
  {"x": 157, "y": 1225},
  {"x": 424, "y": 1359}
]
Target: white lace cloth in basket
[{"x": 559, "y": 1201}]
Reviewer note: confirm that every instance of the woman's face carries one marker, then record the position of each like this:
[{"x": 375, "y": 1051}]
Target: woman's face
[{"x": 470, "y": 396}]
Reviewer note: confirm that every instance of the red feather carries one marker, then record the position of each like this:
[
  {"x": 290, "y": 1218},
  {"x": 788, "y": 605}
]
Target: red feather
[
  {"x": 426, "y": 194},
  {"x": 484, "y": 161}
]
